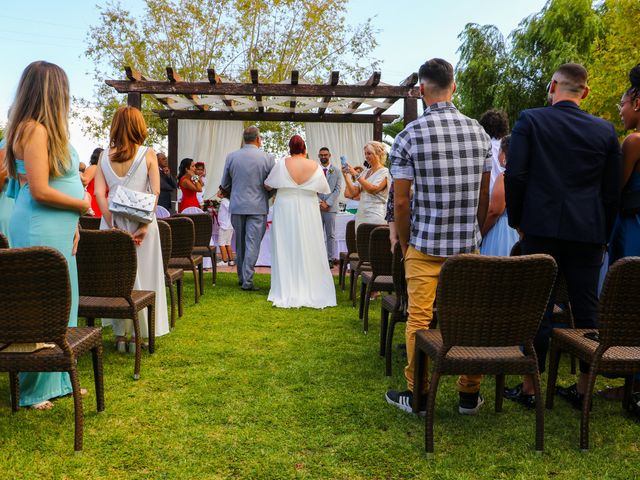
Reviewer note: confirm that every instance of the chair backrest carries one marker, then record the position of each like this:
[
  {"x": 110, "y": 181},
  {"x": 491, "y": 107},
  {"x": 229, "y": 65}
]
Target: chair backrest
[
  {"x": 90, "y": 223},
  {"x": 398, "y": 274},
  {"x": 182, "y": 236},
  {"x": 34, "y": 294},
  {"x": 165, "y": 243},
  {"x": 162, "y": 212},
  {"x": 619, "y": 310},
  {"x": 380, "y": 255},
  {"x": 363, "y": 234},
  {"x": 4, "y": 241},
  {"x": 350, "y": 236},
  {"x": 493, "y": 301},
  {"x": 107, "y": 263},
  {"x": 203, "y": 227}
]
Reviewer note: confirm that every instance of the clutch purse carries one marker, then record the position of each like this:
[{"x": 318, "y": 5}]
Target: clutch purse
[{"x": 132, "y": 204}]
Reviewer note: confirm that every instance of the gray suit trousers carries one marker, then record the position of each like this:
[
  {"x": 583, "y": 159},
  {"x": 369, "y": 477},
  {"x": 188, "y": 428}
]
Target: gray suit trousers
[
  {"x": 249, "y": 232},
  {"x": 329, "y": 223}
]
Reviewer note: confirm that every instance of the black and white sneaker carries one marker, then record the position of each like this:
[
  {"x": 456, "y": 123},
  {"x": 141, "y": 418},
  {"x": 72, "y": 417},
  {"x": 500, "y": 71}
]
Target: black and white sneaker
[
  {"x": 404, "y": 400},
  {"x": 470, "y": 403}
]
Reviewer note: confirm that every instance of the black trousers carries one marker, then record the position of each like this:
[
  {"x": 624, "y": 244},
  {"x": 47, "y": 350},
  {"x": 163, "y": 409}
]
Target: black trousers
[{"x": 580, "y": 264}]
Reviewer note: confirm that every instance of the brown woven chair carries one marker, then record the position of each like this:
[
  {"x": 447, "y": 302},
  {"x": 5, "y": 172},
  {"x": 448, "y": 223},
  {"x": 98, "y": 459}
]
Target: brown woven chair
[
  {"x": 349, "y": 255},
  {"x": 36, "y": 300},
  {"x": 107, "y": 266},
  {"x": 88, "y": 222},
  {"x": 171, "y": 275},
  {"x": 394, "y": 305},
  {"x": 617, "y": 351},
  {"x": 488, "y": 309},
  {"x": 203, "y": 225},
  {"x": 363, "y": 234},
  {"x": 379, "y": 277},
  {"x": 4, "y": 241},
  {"x": 182, "y": 241}
]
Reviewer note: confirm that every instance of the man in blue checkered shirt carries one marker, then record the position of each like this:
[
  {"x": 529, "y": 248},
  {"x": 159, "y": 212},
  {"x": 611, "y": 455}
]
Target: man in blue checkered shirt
[{"x": 447, "y": 156}]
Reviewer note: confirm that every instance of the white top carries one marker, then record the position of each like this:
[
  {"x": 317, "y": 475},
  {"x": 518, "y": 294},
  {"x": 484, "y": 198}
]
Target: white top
[
  {"x": 496, "y": 168},
  {"x": 224, "y": 216},
  {"x": 200, "y": 195},
  {"x": 373, "y": 207}
]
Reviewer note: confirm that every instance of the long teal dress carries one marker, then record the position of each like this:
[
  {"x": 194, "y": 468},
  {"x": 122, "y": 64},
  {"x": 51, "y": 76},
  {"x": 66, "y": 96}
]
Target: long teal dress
[
  {"x": 6, "y": 204},
  {"x": 625, "y": 238},
  {"x": 34, "y": 224}
]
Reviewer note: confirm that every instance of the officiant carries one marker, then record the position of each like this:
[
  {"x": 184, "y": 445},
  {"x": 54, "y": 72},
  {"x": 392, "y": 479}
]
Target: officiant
[{"x": 329, "y": 203}]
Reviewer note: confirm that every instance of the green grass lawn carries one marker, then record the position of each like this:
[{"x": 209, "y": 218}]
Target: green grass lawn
[{"x": 244, "y": 390}]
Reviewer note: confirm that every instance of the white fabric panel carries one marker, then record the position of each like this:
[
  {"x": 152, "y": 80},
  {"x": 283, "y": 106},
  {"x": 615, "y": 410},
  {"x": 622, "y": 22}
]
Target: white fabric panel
[
  {"x": 346, "y": 139},
  {"x": 209, "y": 141}
]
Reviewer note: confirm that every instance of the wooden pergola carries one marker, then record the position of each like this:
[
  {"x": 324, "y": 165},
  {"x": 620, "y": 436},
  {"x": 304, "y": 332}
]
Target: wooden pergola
[{"x": 290, "y": 101}]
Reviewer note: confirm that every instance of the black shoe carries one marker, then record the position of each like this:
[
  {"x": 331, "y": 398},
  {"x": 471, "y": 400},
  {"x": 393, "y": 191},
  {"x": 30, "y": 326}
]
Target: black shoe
[
  {"x": 469, "y": 403},
  {"x": 404, "y": 400},
  {"x": 515, "y": 394},
  {"x": 571, "y": 395},
  {"x": 252, "y": 288}
]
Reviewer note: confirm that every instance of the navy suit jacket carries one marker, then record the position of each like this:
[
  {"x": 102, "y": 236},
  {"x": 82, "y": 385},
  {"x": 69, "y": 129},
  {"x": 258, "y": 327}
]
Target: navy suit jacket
[{"x": 563, "y": 174}]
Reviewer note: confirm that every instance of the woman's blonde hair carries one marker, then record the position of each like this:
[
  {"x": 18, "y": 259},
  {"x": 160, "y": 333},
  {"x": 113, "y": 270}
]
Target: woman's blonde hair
[
  {"x": 379, "y": 150},
  {"x": 128, "y": 130},
  {"x": 42, "y": 97}
]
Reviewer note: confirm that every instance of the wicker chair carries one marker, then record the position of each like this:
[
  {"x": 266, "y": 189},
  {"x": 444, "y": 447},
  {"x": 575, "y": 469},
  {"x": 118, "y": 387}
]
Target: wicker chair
[
  {"x": 396, "y": 305},
  {"x": 36, "y": 300},
  {"x": 182, "y": 241},
  {"x": 88, "y": 222},
  {"x": 203, "y": 225},
  {"x": 107, "y": 266},
  {"x": 349, "y": 255},
  {"x": 379, "y": 277},
  {"x": 171, "y": 275},
  {"x": 363, "y": 234},
  {"x": 4, "y": 241},
  {"x": 488, "y": 308},
  {"x": 617, "y": 351}
]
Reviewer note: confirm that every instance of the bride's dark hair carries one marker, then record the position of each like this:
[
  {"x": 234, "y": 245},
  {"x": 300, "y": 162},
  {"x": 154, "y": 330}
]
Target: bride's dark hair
[
  {"x": 297, "y": 145},
  {"x": 634, "y": 78}
]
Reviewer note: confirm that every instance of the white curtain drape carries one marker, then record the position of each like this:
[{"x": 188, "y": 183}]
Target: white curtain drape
[
  {"x": 209, "y": 141},
  {"x": 346, "y": 139}
]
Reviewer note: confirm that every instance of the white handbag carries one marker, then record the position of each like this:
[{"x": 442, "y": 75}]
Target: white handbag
[{"x": 131, "y": 204}]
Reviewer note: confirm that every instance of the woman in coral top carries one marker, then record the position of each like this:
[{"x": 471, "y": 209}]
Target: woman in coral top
[{"x": 190, "y": 184}]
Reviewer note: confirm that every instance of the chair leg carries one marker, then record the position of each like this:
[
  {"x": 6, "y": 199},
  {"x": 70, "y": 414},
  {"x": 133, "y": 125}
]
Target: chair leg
[
  {"x": 365, "y": 306},
  {"x": 98, "y": 377},
  {"x": 431, "y": 403},
  {"x": 352, "y": 288},
  {"x": 195, "y": 283},
  {"x": 539, "y": 414},
  {"x": 151, "y": 326},
  {"x": 586, "y": 407},
  {"x": 573, "y": 364},
  {"x": 499, "y": 392},
  {"x": 79, "y": 414},
  {"x": 15, "y": 391},
  {"x": 363, "y": 290},
  {"x": 214, "y": 265},
  {"x": 389, "y": 347},
  {"x": 179, "y": 289},
  {"x": 172, "y": 296},
  {"x": 91, "y": 322},
  {"x": 341, "y": 274},
  {"x": 136, "y": 329},
  {"x": 384, "y": 325},
  {"x": 554, "y": 360},
  {"x": 201, "y": 277},
  {"x": 628, "y": 390},
  {"x": 418, "y": 379}
]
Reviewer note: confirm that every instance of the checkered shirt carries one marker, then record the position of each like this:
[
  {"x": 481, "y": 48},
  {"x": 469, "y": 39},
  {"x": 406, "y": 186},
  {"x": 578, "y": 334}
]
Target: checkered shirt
[{"x": 444, "y": 153}]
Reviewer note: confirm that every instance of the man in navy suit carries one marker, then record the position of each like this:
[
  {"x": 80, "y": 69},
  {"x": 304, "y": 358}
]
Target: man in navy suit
[{"x": 562, "y": 186}]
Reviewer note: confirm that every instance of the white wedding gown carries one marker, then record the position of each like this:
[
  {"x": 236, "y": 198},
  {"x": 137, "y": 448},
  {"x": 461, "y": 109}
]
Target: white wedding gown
[{"x": 300, "y": 275}]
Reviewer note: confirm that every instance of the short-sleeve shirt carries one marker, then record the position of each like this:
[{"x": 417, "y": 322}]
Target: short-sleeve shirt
[{"x": 445, "y": 154}]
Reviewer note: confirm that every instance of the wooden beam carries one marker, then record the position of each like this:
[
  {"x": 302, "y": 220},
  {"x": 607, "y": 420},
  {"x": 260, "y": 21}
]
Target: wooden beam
[
  {"x": 215, "y": 79},
  {"x": 294, "y": 81},
  {"x": 410, "y": 110},
  {"x": 175, "y": 77},
  {"x": 136, "y": 76},
  {"x": 274, "y": 116},
  {"x": 265, "y": 89},
  {"x": 377, "y": 129},
  {"x": 333, "y": 80},
  {"x": 173, "y": 151},
  {"x": 373, "y": 81},
  {"x": 254, "y": 80},
  {"x": 410, "y": 81}
]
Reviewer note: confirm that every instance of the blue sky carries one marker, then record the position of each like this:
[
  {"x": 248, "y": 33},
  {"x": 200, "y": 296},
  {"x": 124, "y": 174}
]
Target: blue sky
[{"x": 410, "y": 33}]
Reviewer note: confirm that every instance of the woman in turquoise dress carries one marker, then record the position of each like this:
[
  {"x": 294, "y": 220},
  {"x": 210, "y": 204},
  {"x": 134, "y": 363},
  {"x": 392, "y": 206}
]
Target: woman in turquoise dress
[
  {"x": 48, "y": 193},
  {"x": 6, "y": 203}
]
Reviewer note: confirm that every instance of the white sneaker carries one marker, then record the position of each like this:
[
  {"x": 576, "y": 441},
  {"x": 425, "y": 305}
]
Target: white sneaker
[{"x": 221, "y": 264}]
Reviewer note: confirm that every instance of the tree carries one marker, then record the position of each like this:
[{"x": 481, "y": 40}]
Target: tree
[{"x": 234, "y": 36}]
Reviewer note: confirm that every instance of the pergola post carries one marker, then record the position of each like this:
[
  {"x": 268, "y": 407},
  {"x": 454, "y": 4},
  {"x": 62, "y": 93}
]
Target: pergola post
[
  {"x": 134, "y": 99},
  {"x": 410, "y": 110},
  {"x": 377, "y": 129},
  {"x": 173, "y": 151}
]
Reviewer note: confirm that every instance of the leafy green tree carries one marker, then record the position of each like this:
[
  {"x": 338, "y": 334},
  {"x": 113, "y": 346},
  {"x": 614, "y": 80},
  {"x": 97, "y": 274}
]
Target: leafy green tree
[
  {"x": 233, "y": 36},
  {"x": 391, "y": 130}
]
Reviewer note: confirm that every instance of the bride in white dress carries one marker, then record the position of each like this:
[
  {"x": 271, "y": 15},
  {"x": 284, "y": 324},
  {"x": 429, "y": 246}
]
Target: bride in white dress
[{"x": 300, "y": 275}]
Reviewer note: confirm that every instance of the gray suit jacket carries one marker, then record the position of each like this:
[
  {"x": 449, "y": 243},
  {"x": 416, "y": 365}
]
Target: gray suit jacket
[
  {"x": 334, "y": 178},
  {"x": 245, "y": 171}
]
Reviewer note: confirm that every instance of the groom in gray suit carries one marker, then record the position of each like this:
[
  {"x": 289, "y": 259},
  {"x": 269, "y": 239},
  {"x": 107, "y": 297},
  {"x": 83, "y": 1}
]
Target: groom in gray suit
[
  {"x": 329, "y": 201},
  {"x": 245, "y": 171}
]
